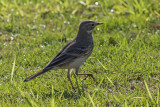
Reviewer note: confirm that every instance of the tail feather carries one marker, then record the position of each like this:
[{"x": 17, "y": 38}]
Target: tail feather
[{"x": 33, "y": 76}]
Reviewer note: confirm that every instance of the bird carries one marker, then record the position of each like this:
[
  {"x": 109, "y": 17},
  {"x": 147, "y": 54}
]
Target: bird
[{"x": 74, "y": 54}]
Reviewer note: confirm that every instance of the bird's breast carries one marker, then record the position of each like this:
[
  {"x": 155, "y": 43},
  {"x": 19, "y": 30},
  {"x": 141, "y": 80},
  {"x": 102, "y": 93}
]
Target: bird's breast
[{"x": 77, "y": 62}]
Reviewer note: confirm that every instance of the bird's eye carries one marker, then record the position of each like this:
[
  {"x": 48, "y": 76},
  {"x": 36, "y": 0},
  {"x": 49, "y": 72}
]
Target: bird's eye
[{"x": 93, "y": 24}]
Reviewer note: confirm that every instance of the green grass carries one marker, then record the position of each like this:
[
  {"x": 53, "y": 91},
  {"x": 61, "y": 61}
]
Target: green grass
[{"x": 125, "y": 60}]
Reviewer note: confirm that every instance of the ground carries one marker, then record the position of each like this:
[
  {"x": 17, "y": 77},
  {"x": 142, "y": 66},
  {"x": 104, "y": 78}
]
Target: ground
[{"x": 124, "y": 62}]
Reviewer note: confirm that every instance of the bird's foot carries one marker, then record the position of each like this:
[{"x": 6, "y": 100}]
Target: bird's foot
[{"x": 91, "y": 75}]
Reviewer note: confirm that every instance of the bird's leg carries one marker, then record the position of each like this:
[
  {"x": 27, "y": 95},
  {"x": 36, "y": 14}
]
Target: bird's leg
[
  {"x": 88, "y": 74},
  {"x": 68, "y": 75}
]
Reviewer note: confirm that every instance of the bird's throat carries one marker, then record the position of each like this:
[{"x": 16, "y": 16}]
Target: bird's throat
[{"x": 84, "y": 35}]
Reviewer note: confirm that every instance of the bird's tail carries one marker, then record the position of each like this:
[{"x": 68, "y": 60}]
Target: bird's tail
[{"x": 34, "y": 75}]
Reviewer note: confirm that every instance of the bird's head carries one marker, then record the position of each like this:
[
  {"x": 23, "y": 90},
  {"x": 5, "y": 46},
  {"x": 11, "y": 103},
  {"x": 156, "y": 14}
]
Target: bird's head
[{"x": 88, "y": 26}]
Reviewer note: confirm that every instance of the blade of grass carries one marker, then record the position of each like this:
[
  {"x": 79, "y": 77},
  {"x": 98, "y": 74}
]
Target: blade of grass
[
  {"x": 52, "y": 91},
  {"x": 157, "y": 96},
  {"x": 52, "y": 103},
  {"x": 105, "y": 69},
  {"x": 91, "y": 100},
  {"x": 147, "y": 104},
  {"x": 27, "y": 97},
  {"x": 125, "y": 103},
  {"x": 13, "y": 69},
  {"x": 116, "y": 98},
  {"x": 60, "y": 96},
  {"x": 149, "y": 93},
  {"x": 97, "y": 87}
]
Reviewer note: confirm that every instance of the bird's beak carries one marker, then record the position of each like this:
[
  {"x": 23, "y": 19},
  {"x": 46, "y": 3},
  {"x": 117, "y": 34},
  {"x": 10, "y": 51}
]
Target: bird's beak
[{"x": 99, "y": 23}]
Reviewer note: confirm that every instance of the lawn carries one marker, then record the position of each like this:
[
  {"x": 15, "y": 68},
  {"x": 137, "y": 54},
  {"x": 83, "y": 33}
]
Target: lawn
[{"x": 125, "y": 61}]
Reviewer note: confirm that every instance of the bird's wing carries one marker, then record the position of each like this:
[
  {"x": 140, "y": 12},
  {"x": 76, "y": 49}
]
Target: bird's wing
[
  {"x": 79, "y": 51},
  {"x": 67, "y": 54}
]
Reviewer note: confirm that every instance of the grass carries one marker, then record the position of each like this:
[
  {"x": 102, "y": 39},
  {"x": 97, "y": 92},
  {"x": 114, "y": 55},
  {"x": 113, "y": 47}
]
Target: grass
[{"x": 125, "y": 60}]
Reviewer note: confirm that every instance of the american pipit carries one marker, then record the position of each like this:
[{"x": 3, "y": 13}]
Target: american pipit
[{"x": 74, "y": 54}]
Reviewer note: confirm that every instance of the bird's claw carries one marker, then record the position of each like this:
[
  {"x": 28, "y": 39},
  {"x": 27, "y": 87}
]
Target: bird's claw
[{"x": 91, "y": 75}]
